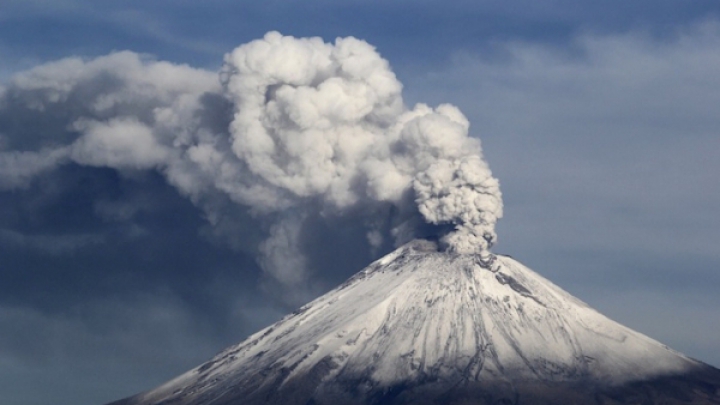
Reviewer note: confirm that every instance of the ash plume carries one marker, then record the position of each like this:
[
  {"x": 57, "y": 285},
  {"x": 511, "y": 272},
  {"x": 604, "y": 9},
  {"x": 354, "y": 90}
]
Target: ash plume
[{"x": 295, "y": 128}]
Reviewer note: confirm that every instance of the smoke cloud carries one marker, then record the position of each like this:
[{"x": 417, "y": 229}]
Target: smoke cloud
[{"x": 290, "y": 129}]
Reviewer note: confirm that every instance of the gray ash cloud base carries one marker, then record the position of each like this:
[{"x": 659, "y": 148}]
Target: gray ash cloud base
[{"x": 423, "y": 326}]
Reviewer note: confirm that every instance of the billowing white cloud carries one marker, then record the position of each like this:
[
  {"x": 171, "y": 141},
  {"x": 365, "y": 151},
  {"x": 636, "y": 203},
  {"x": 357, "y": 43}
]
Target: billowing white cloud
[
  {"x": 464, "y": 193},
  {"x": 121, "y": 142},
  {"x": 290, "y": 123},
  {"x": 327, "y": 121}
]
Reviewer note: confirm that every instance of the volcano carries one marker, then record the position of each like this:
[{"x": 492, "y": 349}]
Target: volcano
[{"x": 426, "y": 326}]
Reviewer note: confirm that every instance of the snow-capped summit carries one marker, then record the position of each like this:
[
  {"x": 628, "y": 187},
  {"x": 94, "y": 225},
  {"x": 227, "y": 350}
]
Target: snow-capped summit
[{"x": 423, "y": 326}]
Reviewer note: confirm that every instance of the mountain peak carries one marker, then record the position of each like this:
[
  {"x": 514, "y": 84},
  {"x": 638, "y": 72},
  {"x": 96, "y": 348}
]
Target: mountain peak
[{"x": 422, "y": 325}]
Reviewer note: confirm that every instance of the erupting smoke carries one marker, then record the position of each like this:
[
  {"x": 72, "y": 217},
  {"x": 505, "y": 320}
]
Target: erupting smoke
[{"x": 294, "y": 124}]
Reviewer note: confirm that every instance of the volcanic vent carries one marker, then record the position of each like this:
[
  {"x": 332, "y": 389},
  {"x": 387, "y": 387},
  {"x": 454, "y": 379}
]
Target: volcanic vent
[{"x": 424, "y": 326}]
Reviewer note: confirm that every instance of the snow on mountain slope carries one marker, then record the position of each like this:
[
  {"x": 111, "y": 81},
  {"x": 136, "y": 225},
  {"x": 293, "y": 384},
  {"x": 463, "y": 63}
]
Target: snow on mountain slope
[{"x": 420, "y": 315}]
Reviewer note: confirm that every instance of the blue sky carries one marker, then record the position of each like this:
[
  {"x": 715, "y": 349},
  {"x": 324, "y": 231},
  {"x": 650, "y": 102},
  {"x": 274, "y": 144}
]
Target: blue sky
[{"x": 599, "y": 119}]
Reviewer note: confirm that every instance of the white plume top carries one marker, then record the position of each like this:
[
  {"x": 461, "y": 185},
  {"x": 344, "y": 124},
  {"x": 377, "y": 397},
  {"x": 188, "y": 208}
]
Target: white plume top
[
  {"x": 327, "y": 121},
  {"x": 295, "y": 130}
]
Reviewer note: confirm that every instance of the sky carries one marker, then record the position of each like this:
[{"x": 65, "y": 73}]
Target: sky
[{"x": 122, "y": 267}]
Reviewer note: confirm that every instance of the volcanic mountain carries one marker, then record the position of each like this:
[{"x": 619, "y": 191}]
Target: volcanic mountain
[{"x": 425, "y": 326}]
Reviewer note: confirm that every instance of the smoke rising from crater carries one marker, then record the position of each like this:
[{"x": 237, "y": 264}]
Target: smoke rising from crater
[
  {"x": 327, "y": 121},
  {"x": 295, "y": 128}
]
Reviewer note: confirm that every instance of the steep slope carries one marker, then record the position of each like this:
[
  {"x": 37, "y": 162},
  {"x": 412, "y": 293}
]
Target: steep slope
[{"x": 422, "y": 326}]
